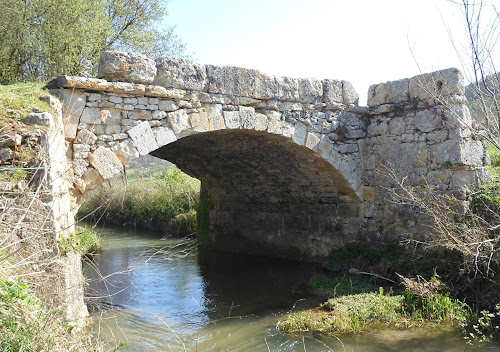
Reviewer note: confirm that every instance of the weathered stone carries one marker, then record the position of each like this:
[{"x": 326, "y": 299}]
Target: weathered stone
[
  {"x": 300, "y": 133},
  {"x": 40, "y": 118},
  {"x": 437, "y": 84},
  {"x": 179, "y": 121},
  {"x": 232, "y": 80},
  {"x": 90, "y": 180},
  {"x": 125, "y": 151},
  {"x": 11, "y": 140},
  {"x": 180, "y": 73},
  {"x": 164, "y": 135},
  {"x": 143, "y": 137},
  {"x": 310, "y": 90},
  {"x": 133, "y": 67},
  {"x": 105, "y": 162},
  {"x": 312, "y": 141},
  {"x": 427, "y": 121},
  {"x": 74, "y": 103},
  {"x": 389, "y": 93},
  {"x": 6, "y": 154},
  {"x": 167, "y": 105},
  {"x": 91, "y": 115},
  {"x": 332, "y": 91},
  {"x": 349, "y": 94}
]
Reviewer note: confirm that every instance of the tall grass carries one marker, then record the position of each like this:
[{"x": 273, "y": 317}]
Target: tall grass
[{"x": 165, "y": 201}]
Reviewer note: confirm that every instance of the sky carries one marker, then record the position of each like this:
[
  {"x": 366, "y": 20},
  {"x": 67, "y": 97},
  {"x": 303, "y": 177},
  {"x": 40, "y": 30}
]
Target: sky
[{"x": 361, "y": 41}]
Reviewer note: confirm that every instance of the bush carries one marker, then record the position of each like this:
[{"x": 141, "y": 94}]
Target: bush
[{"x": 165, "y": 201}]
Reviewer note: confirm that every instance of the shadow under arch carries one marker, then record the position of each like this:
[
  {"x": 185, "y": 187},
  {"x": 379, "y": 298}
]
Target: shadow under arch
[{"x": 264, "y": 194}]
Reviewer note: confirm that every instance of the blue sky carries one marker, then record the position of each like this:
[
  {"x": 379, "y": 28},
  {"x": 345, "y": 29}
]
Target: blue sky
[{"x": 362, "y": 41}]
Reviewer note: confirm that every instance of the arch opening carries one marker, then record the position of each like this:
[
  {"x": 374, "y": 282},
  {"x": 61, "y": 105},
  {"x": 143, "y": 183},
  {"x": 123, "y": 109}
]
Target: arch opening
[{"x": 263, "y": 194}]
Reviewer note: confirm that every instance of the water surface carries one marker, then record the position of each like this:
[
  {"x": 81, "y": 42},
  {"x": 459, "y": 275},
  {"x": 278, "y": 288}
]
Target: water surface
[{"x": 168, "y": 297}]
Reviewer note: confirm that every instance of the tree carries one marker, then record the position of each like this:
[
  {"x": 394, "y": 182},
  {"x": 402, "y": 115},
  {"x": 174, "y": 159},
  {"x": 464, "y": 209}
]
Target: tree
[{"x": 45, "y": 38}]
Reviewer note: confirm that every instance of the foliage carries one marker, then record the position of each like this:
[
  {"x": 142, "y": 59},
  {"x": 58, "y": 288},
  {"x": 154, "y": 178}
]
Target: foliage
[
  {"x": 45, "y": 38},
  {"x": 358, "y": 312},
  {"x": 83, "y": 241},
  {"x": 164, "y": 201}
]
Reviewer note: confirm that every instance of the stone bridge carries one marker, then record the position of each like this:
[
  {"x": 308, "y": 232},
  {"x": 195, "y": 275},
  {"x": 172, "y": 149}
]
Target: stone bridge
[{"x": 289, "y": 167}]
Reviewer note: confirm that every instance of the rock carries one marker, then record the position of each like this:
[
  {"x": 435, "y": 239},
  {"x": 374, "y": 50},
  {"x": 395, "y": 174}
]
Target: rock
[
  {"x": 232, "y": 80},
  {"x": 437, "y": 84},
  {"x": 91, "y": 115},
  {"x": 40, "y": 118},
  {"x": 126, "y": 151},
  {"x": 106, "y": 162},
  {"x": 389, "y": 92},
  {"x": 332, "y": 91},
  {"x": 310, "y": 90},
  {"x": 6, "y": 154},
  {"x": 130, "y": 67},
  {"x": 164, "y": 135},
  {"x": 74, "y": 103},
  {"x": 143, "y": 138},
  {"x": 180, "y": 73},
  {"x": 11, "y": 140}
]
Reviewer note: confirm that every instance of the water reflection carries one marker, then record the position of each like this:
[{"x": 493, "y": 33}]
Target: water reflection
[{"x": 219, "y": 302}]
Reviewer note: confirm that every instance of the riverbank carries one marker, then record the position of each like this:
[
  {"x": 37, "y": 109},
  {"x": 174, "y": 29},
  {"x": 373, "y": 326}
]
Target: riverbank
[{"x": 164, "y": 201}]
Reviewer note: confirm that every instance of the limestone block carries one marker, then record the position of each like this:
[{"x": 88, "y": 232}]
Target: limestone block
[
  {"x": 125, "y": 151},
  {"x": 199, "y": 122},
  {"x": 131, "y": 100},
  {"x": 437, "y": 84},
  {"x": 389, "y": 93},
  {"x": 457, "y": 152},
  {"x": 139, "y": 115},
  {"x": 113, "y": 117},
  {"x": 260, "y": 122},
  {"x": 287, "y": 129},
  {"x": 164, "y": 135},
  {"x": 325, "y": 147},
  {"x": 215, "y": 117},
  {"x": 427, "y": 121},
  {"x": 232, "y": 119},
  {"x": 90, "y": 179},
  {"x": 232, "y": 80},
  {"x": 112, "y": 129},
  {"x": 288, "y": 88},
  {"x": 119, "y": 136},
  {"x": 457, "y": 116},
  {"x": 312, "y": 141},
  {"x": 180, "y": 73},
  {"x": 105, "y": 162},
  {"x": 80, "y": 166},
  {"x": 349, "y": 94},
  {"x": 300, "y": 133},
  {"x": 122, "y": 66},
  {"x": 115, "y": 99},
  {"x": 266, "y": 87},
  {"x": 310, "y": 90},
  {"x": 332, "y": 91},
  {"x": 158, "y": 115},
  {"x": 143, "y": 137},
  {"x": 178, "y": 120},
  {"x": 167, "y": 105},
  {"x": 74, "y": 103},
  {"x": 247, "y": 116},
  {"x": 274, "y": 122},
  {"x": 91, "y": 115}
]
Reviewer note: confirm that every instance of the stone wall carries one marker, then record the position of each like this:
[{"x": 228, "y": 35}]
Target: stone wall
[{"x": 289, "y": 167}]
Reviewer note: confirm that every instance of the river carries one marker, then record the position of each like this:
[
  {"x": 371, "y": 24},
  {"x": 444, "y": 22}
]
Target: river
[{"x": 168, "y": 297}]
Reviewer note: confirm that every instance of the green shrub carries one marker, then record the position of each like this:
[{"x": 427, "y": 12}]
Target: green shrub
[
  {"x": 83, "y": 241},
  {"x": 166, "y": 200}
]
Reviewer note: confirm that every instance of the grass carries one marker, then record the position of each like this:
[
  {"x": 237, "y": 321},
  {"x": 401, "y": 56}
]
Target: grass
[
  {"x": 19, "y": 99},
  {"x": 163, "y": 201},
  {"x": 356, "y": 313},
  {"x": 83, "y": 241}
]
